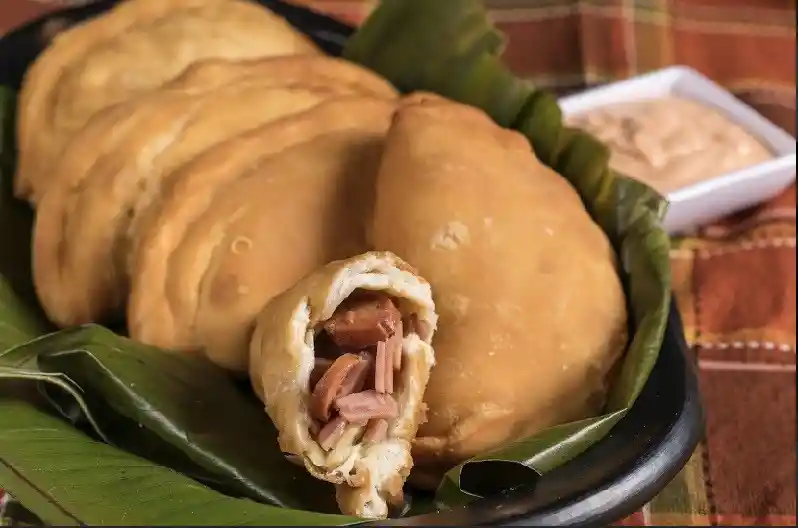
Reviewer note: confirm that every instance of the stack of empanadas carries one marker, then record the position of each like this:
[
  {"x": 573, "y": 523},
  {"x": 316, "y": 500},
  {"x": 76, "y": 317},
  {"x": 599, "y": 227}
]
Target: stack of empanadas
[
  {"x": 132, "y": 181},
  {"x": 245, "y": 208}
]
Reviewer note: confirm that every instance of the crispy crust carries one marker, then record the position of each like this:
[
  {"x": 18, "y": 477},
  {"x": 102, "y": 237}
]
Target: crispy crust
[
  {"x": 87, "y": 219},
  {"x": 317, "y": 70},
  {"x": 109, "y": 182},
  {"x": 107, "y": 59},
  {"x": 281, "y": 360},
  {"x": 533, "y": 315},
  {"x": 313, "y": 197},
  {"x": 189, "y": 193}
]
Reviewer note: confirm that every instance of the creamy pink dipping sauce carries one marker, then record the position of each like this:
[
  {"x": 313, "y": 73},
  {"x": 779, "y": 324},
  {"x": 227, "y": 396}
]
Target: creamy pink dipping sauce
[{"x": 670, "y": 143}]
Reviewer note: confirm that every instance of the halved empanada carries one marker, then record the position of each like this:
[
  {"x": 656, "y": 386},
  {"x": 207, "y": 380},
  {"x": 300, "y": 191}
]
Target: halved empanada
[{"x": 341, "y": 361}]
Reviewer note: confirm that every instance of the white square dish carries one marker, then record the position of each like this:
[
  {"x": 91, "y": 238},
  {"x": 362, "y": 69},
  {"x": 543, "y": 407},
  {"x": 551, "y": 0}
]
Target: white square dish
[{"x": 700, "y": 203}]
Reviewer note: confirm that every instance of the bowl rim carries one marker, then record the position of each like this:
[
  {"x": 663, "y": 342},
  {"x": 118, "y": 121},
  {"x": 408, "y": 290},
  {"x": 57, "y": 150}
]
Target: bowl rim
[{"x": 626, "y": 491}]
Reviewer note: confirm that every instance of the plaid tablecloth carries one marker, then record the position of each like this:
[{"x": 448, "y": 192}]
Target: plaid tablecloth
[{"x": 735, "y": 281}]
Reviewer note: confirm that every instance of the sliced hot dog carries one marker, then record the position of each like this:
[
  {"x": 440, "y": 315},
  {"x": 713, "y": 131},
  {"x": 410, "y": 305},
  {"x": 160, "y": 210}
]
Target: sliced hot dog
[
  {"x": 363, "y": 320},
  {"x": 331, "y": 433},
  {"x": 366, "y": 405},
  {"x": 356, "y": 379},
  {"x": 380, "y": 381},
  {"x": 395, "y": 347},
  {"x": 328, "y": 386},
  {"x": 319, "y": 368}
]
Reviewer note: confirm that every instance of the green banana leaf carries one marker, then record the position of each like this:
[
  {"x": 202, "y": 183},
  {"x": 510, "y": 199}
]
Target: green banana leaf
[
  {"x": 180, "y": 412},
  {"x": 68, "y": 479},
  {"x": 204, "y": 427},
  {"x": 396, "y": 39},
  {"x": 141, "y": 437}
]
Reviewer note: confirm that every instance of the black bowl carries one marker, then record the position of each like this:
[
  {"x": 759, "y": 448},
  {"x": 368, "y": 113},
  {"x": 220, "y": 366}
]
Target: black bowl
[{"x": 612, "y": 479}]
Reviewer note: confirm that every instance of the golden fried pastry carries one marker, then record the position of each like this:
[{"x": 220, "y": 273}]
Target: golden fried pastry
[
  {"x": 341, "y": 360},
  {"x": 136, "y": 46},
  {"x": 188, "y": 192},
  {"x": 532, "y": 312},
  {"x": 225, "y": 254},
  {"x": 335, "y": 77},
  {"x": 112, "y": 172},
  {"x": 302, "y": 70}
]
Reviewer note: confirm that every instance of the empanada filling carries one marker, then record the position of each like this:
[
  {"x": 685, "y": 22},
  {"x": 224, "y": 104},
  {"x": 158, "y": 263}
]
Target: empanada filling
[{"x": 358, "y": 362}]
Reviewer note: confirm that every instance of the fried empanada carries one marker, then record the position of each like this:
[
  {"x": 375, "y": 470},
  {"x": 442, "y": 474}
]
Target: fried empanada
[
  {"x": 296, "y": 210},
  {"x": 341, "y": 360},
  {"x": 138, "y": 45},
  {"x": 532, "y": 312},
  {"x": 188, "y": 192}
]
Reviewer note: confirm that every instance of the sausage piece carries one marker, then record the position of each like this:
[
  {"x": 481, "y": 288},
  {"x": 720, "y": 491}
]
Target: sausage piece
[
  {"x": 331, "y": 433},
  {"x": 388, "y": 366},
  {"x": 319, "y": 368},
  {"x": 328, "y": 386},
  {"x": 367, "y": 405},
  {"x": 395, "y": 347},
  {"x": 356, "y": 379},
  {"x": 363, "y": 320},
  {"x": 380, "y": 368}
]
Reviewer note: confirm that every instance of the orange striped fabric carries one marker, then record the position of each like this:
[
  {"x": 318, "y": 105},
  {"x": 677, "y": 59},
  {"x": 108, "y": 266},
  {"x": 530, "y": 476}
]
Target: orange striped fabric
[{"x": 735, "y": 281}]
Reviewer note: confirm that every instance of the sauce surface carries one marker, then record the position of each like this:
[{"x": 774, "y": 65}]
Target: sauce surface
[{"x": 670, "y": 143}]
